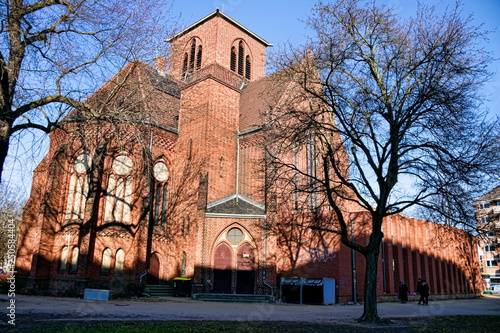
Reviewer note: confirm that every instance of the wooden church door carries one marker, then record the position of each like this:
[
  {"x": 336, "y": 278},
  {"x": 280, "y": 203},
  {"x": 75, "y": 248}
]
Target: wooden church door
[
  {"x": 222, "y": 269},
  {"x": 245, "y": 270},
  {"x": 154, "y": 270}
]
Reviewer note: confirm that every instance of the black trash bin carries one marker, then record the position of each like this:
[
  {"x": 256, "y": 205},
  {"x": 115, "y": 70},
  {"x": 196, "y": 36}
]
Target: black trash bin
[{"x": 182, "y": 286}]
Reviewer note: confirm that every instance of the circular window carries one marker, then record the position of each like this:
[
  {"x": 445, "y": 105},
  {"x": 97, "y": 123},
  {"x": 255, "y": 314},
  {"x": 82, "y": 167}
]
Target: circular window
[
  {"x": 122, "y": 165},
  {"x": 82, "y": 163},
  {"x": 235, "y": 235},
  {"x": 160, "y": 171}
]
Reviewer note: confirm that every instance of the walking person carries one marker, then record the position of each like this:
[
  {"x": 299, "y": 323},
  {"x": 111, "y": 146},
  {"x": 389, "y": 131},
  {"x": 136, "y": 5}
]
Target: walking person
[{"x": 403, "y": 292}]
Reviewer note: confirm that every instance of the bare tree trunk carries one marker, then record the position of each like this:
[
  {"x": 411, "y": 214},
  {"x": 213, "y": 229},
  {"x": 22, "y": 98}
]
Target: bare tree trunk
[
  {"x": 4, "y": 144},
  {"x": 370, "y": 312}
]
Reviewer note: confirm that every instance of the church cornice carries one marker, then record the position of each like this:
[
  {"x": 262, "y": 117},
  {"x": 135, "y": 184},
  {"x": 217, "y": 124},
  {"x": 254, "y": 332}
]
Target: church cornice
[
  {"x": 217, "y": 73},
  {"x": 114, "y": 120}
]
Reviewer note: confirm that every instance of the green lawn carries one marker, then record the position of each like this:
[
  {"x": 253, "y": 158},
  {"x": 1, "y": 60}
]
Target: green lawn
[{"x": 453, "y": 324}]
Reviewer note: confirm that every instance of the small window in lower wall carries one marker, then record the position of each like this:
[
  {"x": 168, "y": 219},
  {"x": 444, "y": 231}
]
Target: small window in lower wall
[
  {"x": 106, "y": 262},
  {"x": 64, "y": 260},
  {"x": 74, "y": 260},
  {"x": 120, "y": 260}
]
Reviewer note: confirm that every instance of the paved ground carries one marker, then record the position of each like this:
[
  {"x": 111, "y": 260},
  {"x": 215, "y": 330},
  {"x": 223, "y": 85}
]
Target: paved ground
[{"x": 31, "y": 309}]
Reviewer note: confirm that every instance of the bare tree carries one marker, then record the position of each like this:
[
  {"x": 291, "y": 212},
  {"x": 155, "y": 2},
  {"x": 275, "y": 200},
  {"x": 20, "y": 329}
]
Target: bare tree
[
  {"x": 10, "y": 218},
  {"x": 54, "y": 53},
  {"x": 400, "y": 125}
]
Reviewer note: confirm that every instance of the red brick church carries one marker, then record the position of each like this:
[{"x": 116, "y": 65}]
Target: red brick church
[{"x": 167, "y": 180}]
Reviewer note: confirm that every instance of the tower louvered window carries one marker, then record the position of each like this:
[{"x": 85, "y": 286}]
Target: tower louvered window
[
  {"x": 198, "y": 57},
  {"x": 192, "y": 55},
  {"x": 185, "y": 64},
  {"x": 240, "y": 62},
  {"x": 233, "y": 59},
  {"x": 247, "y": 67},
  {"x": 241, "y": 55}
]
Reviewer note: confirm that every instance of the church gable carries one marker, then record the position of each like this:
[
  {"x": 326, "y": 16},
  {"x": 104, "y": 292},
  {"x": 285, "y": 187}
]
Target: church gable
[{"x": 235, "y": 205}]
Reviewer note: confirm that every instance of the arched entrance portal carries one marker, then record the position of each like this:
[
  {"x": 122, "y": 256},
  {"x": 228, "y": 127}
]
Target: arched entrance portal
[
  {"x": 222, "y": 269},
  {"x": 234, "y": 269},
  {"x": 245, "y": 273},
  {"x": 153, "y": 276}
]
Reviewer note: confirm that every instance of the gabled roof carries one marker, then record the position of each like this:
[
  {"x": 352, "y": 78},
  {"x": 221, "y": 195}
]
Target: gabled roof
[
  {"x": 137, "y": 93},
  {"x": 260, "y": 96},
  {"x": 491, "y": 195},
  {"x": 235, "y": 205},
  {"x": 218, "y": 13}
]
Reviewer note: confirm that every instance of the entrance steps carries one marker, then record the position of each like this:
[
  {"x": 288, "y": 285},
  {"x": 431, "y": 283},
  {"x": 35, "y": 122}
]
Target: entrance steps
[
  {"x": 159, "y": 290},
  {"x": 245, "y": 298}
]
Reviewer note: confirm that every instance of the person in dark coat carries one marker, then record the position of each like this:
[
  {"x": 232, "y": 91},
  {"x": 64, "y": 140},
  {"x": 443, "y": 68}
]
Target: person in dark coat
[
  {"x": 423, "y": 291},
  {"x": 403, "y": 292},
  {"x": 418, "y": 289}
]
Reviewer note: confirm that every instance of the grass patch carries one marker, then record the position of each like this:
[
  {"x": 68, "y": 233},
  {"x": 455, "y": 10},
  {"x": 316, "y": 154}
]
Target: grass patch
[{"x": 453, "y": 324}]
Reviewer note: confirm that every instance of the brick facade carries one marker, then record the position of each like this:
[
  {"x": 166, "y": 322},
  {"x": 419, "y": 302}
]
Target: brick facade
[{"x": 171, "y": 181}]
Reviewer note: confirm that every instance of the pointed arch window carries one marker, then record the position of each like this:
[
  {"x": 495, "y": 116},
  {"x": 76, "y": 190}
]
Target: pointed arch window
[
  {"x": 64, "y": 260},
  {"x": 192, "y": 57},
  {"x": 240, "y": 61},
  {"x": 160, "y": 172},
  {"x": 119, "y": 191},
  {"x": 74, "y": 260},
  {"x": 106, "y": 262},
  {"x": 78, "y": 188}
]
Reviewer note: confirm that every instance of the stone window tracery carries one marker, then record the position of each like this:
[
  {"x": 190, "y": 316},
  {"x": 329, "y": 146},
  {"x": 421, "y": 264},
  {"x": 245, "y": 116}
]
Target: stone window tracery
[
  {"x": 160, "y": 173},
  {"x": 78, "y": 188},
  {"x": 119, "y": 191}
]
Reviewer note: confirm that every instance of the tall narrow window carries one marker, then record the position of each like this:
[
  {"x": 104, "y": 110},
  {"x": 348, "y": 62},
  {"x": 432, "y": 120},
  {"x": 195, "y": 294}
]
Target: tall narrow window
[
  {"x": 160, "y": 172},
  {"x": 74, "y": 260},
  {"x": 78, "y": 188},
  {"x": 106, "y": 262},
  {"x": 198, "y": 57},
  {"x": 248, "y": 67},
  {"x": 295, "y": 150},
  {"x": 184, "y": 264},
  {"x": 221, "y": 167},
  {"x": 311, "y": 171},
  {"x": 241, "y": 57},
  {"x": 185, "y": 64},
  {"x": 120, "y": 262},
  {"x": 233, "y": 59},
  {"x": 119, "y": 193},
  {"x": 192, "y": 55}
]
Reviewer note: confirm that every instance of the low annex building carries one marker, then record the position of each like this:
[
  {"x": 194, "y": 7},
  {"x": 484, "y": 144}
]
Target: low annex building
[{"x": 169, "y": 181}]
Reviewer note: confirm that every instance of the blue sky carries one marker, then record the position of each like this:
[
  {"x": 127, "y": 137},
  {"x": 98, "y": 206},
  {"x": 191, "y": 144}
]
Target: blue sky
[
  {"x": 279, "y": 22},
  {"x": 282, "y": 21}
]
